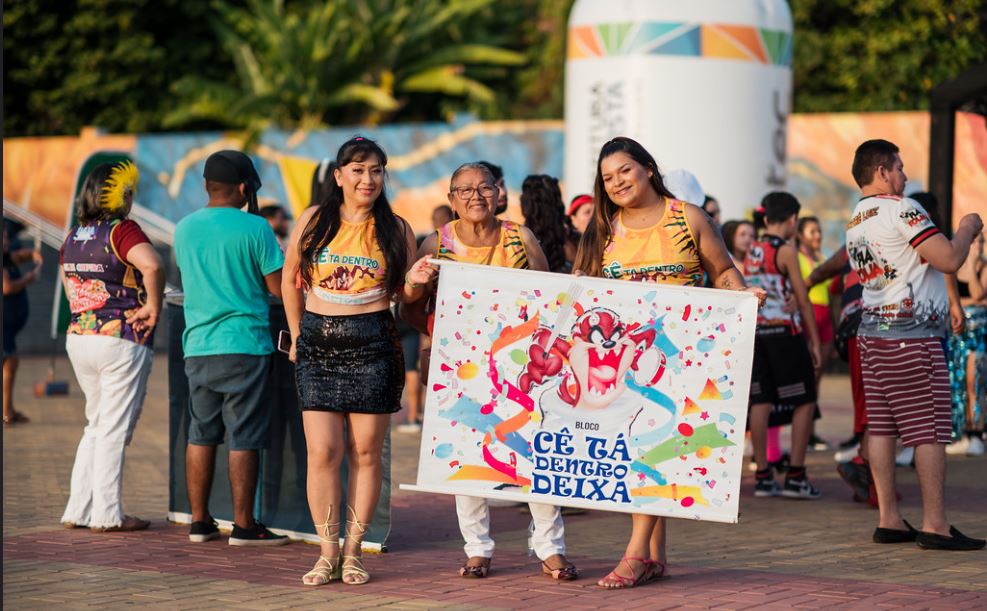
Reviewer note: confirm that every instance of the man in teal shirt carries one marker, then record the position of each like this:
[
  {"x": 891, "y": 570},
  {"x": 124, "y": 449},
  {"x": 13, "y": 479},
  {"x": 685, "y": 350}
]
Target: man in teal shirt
[{"x": 230, "y": 263}]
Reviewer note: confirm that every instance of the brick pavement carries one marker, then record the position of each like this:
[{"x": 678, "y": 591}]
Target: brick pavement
[{"x": 783, "y": 554}]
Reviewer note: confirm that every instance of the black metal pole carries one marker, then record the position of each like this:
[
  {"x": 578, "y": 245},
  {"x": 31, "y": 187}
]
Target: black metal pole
[{"x": 945, "y": 99}]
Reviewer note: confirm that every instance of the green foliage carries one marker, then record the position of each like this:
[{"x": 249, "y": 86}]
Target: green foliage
[
  {"x": 343, "y": 60},
  {"x": 148, "y": 65},
  {"x": 99, "y": 62},
  {"x": 538, "y": 28},
  {"x": 865, "y": 55}
]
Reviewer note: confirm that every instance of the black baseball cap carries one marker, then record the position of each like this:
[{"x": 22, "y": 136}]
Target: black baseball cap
[{"x": 232, "y": 168}]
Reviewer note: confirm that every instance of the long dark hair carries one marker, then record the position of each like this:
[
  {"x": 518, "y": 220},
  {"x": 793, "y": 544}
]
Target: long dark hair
[
  {"x": 324, "y": 224},
  {"x": 88, "y": 208},
  {"x": 544, "y": 215},
  {"x": 322, "y": 180},
  {"x": 730, "y": 233},
  {"x": 589, "y": 258},
  {"x": 806, "y": 220},
  {"x": 803, "y": 221}
]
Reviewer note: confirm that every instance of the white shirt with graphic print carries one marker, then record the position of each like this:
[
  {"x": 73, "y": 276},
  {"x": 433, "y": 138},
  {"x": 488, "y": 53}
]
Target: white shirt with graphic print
[{"x": 904, "y": 297}]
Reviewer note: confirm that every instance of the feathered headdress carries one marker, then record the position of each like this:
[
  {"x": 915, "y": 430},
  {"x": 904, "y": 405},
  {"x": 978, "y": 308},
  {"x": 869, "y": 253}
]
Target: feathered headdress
[{"x": 123, "y": 178}]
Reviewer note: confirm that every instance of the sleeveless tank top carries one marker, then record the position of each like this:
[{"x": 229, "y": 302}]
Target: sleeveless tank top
[
  {"x": 351, "y": 269},
  {"x": 102, "y": 288},
  {"x": 508, "y": 253},
  {"x": 665, "y": 253},
  {"x": 819, "y": 294},
  {"x": 761, "y": 270}
]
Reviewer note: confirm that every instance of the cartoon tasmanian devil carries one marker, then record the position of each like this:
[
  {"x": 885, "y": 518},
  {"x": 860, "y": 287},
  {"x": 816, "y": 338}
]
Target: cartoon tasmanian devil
[
  {"x": 600, "y": 353},
  {"x": 342, "y": 278}
]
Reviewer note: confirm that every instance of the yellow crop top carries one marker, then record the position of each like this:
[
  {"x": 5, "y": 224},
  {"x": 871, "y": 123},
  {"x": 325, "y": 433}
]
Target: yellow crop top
[
  {"x": 351, "y": 270},
  {"x": 509, "y": 253},
  {"x": 665, "y": 253},
  {"x": 819, "y": 294}
]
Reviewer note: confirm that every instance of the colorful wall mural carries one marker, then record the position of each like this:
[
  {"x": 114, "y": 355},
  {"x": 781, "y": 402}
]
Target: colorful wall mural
[{"x": 39, "y": 174}]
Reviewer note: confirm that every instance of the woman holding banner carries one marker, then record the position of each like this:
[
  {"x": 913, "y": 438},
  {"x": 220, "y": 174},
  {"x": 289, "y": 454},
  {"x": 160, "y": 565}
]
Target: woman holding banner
[
  {"x": 640, "y": 232},
  {"x": 352, "y": 254},
  {"x": 479, "y": 237}
]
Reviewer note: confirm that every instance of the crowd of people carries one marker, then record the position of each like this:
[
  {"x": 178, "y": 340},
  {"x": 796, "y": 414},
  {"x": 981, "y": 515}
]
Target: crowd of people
[{"x": 349, "y": 260}]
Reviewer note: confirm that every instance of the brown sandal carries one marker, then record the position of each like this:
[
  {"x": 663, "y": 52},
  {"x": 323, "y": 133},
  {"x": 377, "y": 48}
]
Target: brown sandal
[
  {"x": 129, "y": 524},
  {"x": 15, "y": 418},
  {"x": 475, "y": 571},
  {"x": 566, "y": 573}
]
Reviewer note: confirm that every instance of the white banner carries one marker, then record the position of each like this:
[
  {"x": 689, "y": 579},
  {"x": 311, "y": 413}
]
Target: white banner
[{"x": 639, "y": 405}]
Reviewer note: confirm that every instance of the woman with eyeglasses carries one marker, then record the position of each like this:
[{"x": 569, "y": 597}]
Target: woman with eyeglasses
[{"x": 479, "y": 237}]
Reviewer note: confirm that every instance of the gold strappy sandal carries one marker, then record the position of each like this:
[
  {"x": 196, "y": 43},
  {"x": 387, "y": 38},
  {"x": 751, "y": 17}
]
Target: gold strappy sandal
[
  {"x": 354, "y": 573},
  {"x": 326, "y": 569}
]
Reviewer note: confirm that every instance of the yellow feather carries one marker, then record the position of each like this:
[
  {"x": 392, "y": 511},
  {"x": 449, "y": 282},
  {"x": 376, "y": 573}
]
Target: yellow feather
[{"x": 123, "y": 178}]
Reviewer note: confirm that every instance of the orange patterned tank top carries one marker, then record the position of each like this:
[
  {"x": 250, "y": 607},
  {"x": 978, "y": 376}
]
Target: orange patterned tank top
[
  {"x": 665, "y": 253},
  {"x": 509, "y": 253},
  {"x": 351, "y": 270}
]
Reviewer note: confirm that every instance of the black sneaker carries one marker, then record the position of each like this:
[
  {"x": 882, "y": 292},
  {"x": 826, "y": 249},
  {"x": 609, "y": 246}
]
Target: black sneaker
[
  {"x": 851, "y": 442},
  {"x": 818, "y": 443},
  {"x": 200, "y": 532},
  {"x": 766, "y": 487},
  {"x": 258, "y": 535},
  {"x": 799, "y": 489},
  {"x": 857, "y": 476},
  {"x": 781, "y": 465}
]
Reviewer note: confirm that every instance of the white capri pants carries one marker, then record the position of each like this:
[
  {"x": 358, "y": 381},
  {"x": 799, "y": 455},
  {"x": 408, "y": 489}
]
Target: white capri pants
[
  {"x": 547, "y": 537},
  {"x": 112, "y": 373}
]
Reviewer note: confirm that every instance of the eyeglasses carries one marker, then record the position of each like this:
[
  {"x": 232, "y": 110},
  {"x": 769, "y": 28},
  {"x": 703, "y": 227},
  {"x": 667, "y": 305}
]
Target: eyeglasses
[{"x": 466, "y": 193}]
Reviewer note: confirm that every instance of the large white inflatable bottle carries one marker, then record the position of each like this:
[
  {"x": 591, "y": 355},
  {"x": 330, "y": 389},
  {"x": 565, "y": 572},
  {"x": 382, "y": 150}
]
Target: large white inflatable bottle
[{"x": 704, "y": 85}]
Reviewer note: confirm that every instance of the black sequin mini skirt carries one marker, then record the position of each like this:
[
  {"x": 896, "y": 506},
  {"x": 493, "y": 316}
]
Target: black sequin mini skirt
[{"x": 351, "y": 364}]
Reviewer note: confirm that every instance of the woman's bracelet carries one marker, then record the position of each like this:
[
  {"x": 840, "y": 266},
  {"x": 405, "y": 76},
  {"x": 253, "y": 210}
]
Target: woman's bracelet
[{"x": 413, "y": 285}]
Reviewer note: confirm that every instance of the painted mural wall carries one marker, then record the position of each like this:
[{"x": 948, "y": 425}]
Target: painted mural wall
[{"x": 39, "y": 174}]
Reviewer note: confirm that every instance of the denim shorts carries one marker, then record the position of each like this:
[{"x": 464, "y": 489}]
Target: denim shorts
[{"x": 227, "y": 392}]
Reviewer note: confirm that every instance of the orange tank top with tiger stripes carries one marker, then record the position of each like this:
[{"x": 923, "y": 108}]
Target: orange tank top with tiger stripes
[
  {"x": 351, "y": 269},
  {"x": 509, "y": 252},
  {"x": 665, "y": 253}
]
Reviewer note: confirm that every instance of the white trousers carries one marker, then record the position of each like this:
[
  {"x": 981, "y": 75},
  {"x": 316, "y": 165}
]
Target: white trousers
[
  {"x": 547, "y": 537},
  {"x": 113, "y": 375}
]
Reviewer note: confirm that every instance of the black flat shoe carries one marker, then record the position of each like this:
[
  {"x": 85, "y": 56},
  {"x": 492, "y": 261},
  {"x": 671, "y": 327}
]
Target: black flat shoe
[
  {"x": 958, "y": 542},
  {"x": 956, "y": 534},
  {"x": 891, "y": 535}
]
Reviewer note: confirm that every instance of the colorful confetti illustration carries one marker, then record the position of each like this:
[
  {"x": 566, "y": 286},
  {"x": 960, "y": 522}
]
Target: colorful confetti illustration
[{"x": 610, "y": 395}]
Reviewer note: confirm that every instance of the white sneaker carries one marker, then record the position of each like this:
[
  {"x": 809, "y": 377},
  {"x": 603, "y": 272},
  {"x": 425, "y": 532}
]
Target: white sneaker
[
  {"x": 960, "y": 447},
  {"x": 409, "y": 427},
  {"x": 846, "y": 454},
  {"x": 976, "y": 447},
  {"x": 905, "y": 457}
]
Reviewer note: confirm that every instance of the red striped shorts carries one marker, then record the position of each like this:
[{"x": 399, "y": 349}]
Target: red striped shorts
[{"x": 906, "y": 387}]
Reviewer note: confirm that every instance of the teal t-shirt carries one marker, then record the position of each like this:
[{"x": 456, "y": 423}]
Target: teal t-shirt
[{"x": 224, "y": 254}]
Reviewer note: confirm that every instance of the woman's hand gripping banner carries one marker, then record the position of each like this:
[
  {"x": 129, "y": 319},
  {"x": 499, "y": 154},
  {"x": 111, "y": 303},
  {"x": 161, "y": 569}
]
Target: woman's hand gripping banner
[{"x": 586, "y": 392}]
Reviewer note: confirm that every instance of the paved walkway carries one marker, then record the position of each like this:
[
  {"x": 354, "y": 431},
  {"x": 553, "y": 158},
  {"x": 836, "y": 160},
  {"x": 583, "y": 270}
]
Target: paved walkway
[{"x": 783, "y": 553}]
